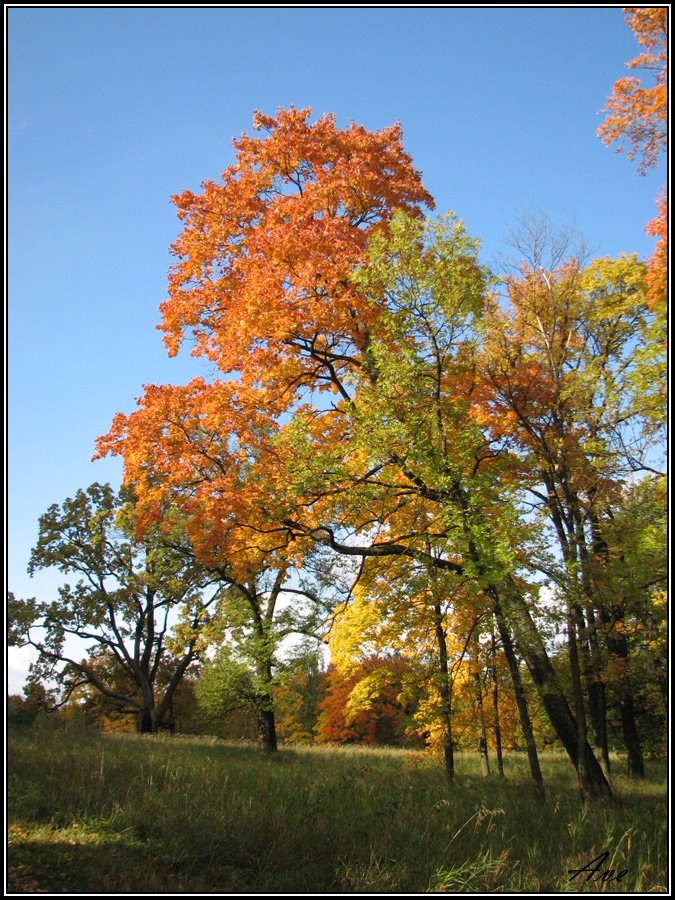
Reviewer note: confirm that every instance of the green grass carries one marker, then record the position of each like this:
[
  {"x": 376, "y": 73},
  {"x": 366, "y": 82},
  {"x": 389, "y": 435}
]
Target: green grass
[{"x": 98, "y": 814}]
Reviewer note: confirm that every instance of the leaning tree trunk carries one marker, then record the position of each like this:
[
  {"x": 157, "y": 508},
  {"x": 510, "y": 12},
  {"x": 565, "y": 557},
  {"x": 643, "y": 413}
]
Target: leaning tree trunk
[
  {"x": 521, "y": 700},
  {"x": 533, "y": 651}
]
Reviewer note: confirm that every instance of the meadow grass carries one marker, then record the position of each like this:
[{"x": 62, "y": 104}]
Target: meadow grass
[{"x": 91, "y": 813}]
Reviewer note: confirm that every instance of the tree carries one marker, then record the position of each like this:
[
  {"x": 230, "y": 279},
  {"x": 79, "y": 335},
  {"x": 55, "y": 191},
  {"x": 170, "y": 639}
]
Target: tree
[
  {"x": 273, "y": 248},
  {"x": 399, "y": 613},
  {"x": 25, "y": 710},
  {"x": 298, "y": 697},
  {"x": 248, "y": 630},
  {"x": 123, "y": 603},
  {"x": 637, "y": 115},
  {"x": 279, "y": 289},
  {"x": 568, "y": 376},
  {"x": 630, "y": 574},
  {"x": 264, "y": 286},
  {"x": 365, "y": 704},
  {"x": 266, "y": 257}
]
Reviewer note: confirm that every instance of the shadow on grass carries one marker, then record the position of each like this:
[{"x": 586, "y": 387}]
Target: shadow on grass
[{"x": 113, "y": 867}]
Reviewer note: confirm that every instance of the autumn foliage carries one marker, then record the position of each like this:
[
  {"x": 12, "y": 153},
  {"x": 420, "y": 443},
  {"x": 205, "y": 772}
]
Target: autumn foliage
[
  {"x": 637, "y": 113},
  {"x": 375, "y": 715},
  {"x": 637, "y": 118},
  {"x": 266, "y": 256},
  {"x": 395, "y": 447}
]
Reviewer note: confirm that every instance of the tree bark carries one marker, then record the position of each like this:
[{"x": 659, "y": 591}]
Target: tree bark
[
  {"x": 521, "y": 701},
  {"x": 533, "y": 651},
  {"x": 618, "y": 647},
  {"x": 267, "y": 734},
  {"x": 482, "y": 743},
  {"x": 597, "y": 706},
  {"x": 495, "y": 708},
  {"x": 583, "y": 747},
  {"x": 636, "y": 766},
  {"x": 446, "y": 695},
  {"x": 591, "y": 655},
  {"x": 145, "y": 722}
]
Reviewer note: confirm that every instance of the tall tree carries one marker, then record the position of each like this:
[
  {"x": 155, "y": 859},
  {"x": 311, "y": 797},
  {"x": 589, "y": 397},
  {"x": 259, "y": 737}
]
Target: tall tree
[
  {"x": 569, "y": 379},
  {"x": 630, "y": 575},
  {"x": 277, "y": 286}
]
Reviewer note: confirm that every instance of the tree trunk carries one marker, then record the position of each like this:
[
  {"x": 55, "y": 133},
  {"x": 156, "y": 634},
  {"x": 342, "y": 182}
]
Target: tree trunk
[
  {"x": 482, "y": 743},
  {"x": 145, "y": 722},
  {"x": 597, "y": 708},
  {"x": 267, "y": 734},
  {"x": 521, "y": 701},
  {"x": 533, "y": 651},
  {"x": 636, "y": 766},
  {"x": 591, "y": 655},
  {"x": 586, "y": 785},
  {"x": 446, "y": 695},
  {"x": 495, "y": 709},
  {"x": 618, "y": 646},
  {"x": 597, "y": 701}
]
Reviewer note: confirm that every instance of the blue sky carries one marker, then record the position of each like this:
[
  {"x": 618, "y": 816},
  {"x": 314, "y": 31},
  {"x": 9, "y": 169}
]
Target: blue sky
[{"x": 110, "y": 111}]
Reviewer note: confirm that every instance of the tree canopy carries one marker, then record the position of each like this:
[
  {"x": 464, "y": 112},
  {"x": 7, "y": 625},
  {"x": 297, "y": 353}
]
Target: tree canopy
[{"x": 141, "y": 604}]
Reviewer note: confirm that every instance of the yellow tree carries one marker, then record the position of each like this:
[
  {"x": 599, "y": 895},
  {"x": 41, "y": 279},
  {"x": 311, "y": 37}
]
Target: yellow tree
[{"x": 428, "y": 619}]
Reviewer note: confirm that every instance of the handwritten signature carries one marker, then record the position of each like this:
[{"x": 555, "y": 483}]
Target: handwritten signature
[{"x": 593, "y": 870}]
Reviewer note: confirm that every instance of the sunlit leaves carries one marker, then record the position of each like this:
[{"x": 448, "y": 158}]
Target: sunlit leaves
[{"x": 637, "y": 111}]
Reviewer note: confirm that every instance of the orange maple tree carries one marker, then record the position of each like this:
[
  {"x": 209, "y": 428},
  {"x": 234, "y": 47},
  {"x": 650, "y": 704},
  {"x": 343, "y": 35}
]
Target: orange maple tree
[
  {"x": 266, "y": 256},
  {"x": 263, "y": 285},
  {"x": 657, "y": 275},
  {"x": 637, "y": 115},
  {"x": 379, "y": 721}
]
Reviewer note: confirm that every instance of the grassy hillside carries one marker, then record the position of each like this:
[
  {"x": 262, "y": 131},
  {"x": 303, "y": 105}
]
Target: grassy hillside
[{"x": 97, "y": 813}]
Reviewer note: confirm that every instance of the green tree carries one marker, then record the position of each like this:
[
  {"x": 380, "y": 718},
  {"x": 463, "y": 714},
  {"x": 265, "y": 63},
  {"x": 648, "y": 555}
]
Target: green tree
[
  {"x": 630, "y": 572},
  {"x": 255, "y": 618},
  {"x": 123, "y": 604}
]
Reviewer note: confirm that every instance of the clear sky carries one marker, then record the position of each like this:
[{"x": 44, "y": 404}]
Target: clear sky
[{"x": 110, "y": 111}]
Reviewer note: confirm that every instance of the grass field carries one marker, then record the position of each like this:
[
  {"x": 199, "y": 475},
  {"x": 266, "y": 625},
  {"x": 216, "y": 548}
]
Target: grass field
[{"x": 103, "y": 813}]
